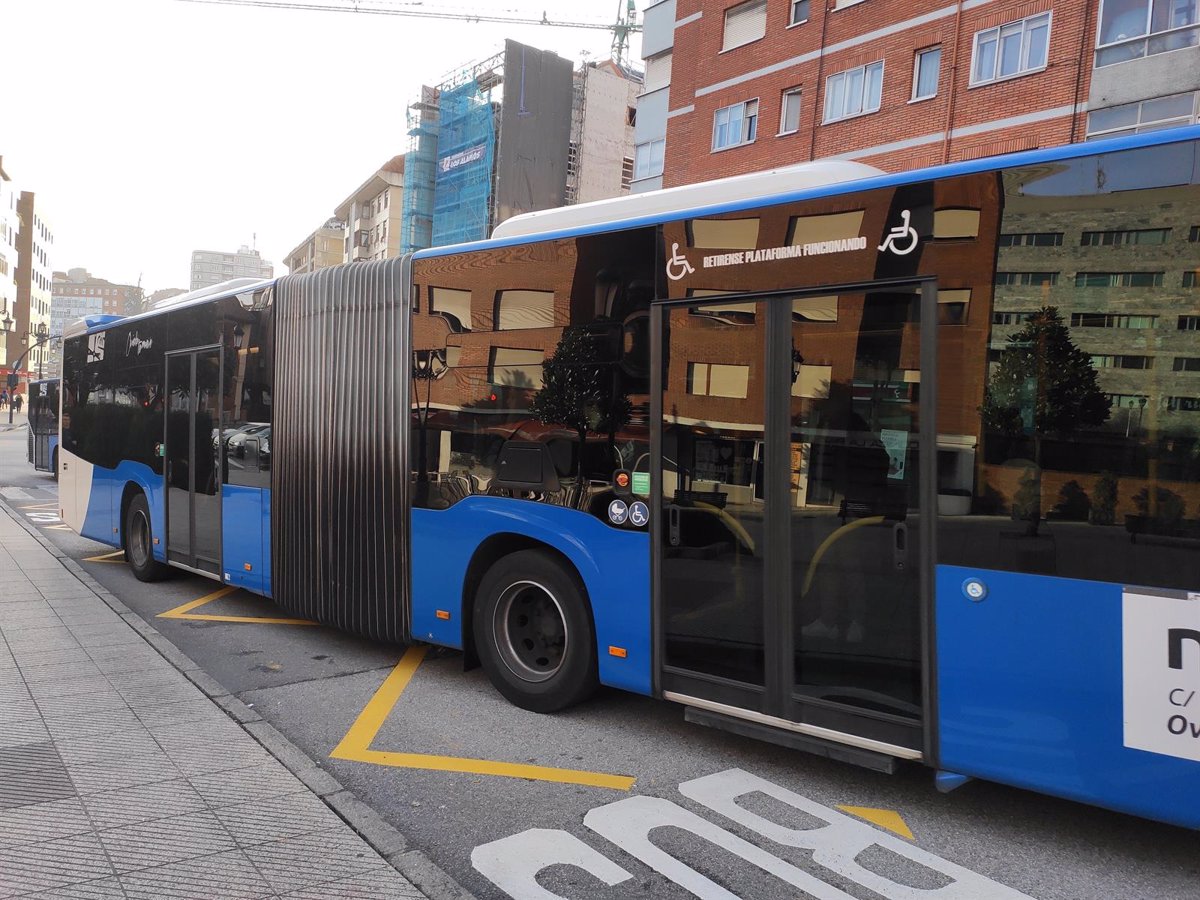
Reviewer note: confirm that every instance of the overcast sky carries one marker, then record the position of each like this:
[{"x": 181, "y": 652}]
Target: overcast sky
[{"x": 152, "y": 128}]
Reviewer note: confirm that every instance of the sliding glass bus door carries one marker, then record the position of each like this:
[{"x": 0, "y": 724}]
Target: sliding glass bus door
[
  {"x": 192, "y": 453},
  {"x": 789, "y": 564}
]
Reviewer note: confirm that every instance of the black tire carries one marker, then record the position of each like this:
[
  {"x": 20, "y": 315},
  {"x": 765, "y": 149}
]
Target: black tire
[
  {"x": 54, "y": 465},
  {"x": 136, "y": 538},
  {"x": 534, "y": 633}
]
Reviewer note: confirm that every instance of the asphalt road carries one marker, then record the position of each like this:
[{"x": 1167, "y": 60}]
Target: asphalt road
[{"x": 438, "y": 764}]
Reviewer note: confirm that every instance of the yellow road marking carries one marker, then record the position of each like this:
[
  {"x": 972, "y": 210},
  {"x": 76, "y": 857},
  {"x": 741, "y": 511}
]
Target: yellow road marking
[
  {"x": 884, "y": 818},
  {"x": 117, "y": 556},
  {"x": 184, "y": 611},
  {"x": 356, "y": 745},
  {"x": 52, "y": 505},
  {"x": 58, "y": 527}
]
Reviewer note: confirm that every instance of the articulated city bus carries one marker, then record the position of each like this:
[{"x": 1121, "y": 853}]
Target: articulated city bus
[
  {"x": 885, "y": 467},
  {"x": 42, "y": 450}
]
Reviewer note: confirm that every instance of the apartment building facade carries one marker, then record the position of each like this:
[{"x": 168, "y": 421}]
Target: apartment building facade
[
  {"x": 372, "y": 215},
  {"x": 324, "y": 247},
  {"x": 734, "y": 87},
  {"x": 214, "y": 266},
  {"x": 34, "y": 282},
  {"x": 77, "y": 293},
  {"x": 9, "y": 227}
]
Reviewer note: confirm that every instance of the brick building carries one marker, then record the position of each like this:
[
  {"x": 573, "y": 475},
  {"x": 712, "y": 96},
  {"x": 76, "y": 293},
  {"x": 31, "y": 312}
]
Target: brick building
[{"x": 738, "y": 87}]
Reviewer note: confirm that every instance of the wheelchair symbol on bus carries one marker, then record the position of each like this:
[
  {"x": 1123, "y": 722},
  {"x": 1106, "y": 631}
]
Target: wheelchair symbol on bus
[
  {"x": 900, "y": 233},
  {"x": 678, "y": 264}
]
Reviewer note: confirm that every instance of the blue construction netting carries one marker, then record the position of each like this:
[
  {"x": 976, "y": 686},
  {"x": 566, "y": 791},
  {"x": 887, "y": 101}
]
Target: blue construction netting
[
  {"x": 416, "y": 210},
  {"x": 466, "y": 150}
]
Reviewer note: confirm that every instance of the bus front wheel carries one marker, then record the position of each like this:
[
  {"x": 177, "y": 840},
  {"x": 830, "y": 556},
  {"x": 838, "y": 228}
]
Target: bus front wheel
[
  {"x": 138, "y": 541},
  {"x": 533, "y": 632}
]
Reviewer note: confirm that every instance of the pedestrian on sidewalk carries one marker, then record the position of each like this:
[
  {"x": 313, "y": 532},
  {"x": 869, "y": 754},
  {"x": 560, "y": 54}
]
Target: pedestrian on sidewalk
[
  {"x": 16, "y": 402},
  {"x": 4, "y": 399}
]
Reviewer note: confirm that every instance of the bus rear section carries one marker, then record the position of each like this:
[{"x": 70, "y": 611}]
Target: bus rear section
[{"x": 42, "y": 447}]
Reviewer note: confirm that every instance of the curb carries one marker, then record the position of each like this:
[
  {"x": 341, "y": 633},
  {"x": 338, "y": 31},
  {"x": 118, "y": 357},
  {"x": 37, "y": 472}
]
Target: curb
[{"x": 384, "y": 839}]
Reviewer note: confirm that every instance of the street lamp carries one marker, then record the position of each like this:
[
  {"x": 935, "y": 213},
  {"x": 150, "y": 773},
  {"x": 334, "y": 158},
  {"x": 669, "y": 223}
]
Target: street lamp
[
  {"x": 7, "y": 324},
  {"x": 42, "y": 334}
]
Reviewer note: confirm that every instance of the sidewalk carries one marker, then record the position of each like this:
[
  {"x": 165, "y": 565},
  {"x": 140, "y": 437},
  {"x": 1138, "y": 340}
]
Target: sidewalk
[
  {"x": 119, "y": 777},
  {"x": 19, "y": 420}
]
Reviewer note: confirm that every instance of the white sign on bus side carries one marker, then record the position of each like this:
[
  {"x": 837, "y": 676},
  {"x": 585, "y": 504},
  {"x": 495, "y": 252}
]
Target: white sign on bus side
[{"x": 1160, "y": 639}]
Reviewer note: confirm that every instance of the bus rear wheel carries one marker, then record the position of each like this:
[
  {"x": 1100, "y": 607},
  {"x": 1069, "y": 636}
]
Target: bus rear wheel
[
  {"x": 138, "y": 542},
  {"x": 533, "y": 633}
]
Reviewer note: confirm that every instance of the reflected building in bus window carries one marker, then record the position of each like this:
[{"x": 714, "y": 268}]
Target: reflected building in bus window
[
  {"x": 1091, "y": 418},
  {"x": 543, "y": 346}
]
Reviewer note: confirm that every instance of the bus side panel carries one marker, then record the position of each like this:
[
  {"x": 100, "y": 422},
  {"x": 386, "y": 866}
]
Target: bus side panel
[
  {"x": 265, "y": 524},
  {"x": 614, "y": 564},
  {"x": 74, "y": 490},
  {"x": 242, "y": 536},
  {"x": 1031, "y": 693}
]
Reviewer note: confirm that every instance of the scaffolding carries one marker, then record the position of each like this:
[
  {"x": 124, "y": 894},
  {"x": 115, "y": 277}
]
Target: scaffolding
[
  {"x": 420, "y": 163},
  {"x": 466, "y": 153}
]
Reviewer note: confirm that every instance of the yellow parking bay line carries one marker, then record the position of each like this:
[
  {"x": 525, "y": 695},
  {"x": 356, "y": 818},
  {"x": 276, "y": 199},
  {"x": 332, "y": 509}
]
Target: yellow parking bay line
[
  {"x": 117, "y": 556},
  {"x": 356, "y": 745},
  {"x": 51, "y": 505},
  {"x": 185, "y": 612}
]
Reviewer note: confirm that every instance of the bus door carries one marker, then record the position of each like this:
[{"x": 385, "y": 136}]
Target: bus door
[
  {"x": 791, "y": 472},
  {"x": 192, "y": 452}
]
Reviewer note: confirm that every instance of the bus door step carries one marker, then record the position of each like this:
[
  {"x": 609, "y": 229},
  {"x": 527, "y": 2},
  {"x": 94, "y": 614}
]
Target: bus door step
[{"x": 867, "y": 759}]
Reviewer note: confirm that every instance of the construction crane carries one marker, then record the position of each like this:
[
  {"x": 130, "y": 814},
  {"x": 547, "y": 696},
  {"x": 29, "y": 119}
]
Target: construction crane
[{"x": 622, "y": 30}]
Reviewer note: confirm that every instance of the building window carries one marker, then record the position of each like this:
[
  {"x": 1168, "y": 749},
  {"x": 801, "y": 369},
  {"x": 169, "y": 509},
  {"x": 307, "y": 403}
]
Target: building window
[
  {"x": 1181, "y": 404},
  {"x": 853, "y": 92},
  {"x": 1119, "y": 279},
  {"x": 1032, "y": 239},
  {"x": 718, "y": 380},
  {"x": 789, "y": 113},
  {"x": 1011, "y": 318},
  {"x": 926, "y": 67},
  {"x": 1188, "y": 323},
  {"x": 514, "y": 367},
  {"x": 648, "y": 159},
  {"x": 452, "y": 305},
  {"x": 1146, "y": 115},
  {"x": 744, "y": 23},
  {"x": 1189, "y": 279},
  {"x": 1131, "y": 29},
  {"x": 1128, "y": 401},
  {"x": 735, "y": 125},
  {"x": 515, "y": 309},
  {"x": 1122, "y": 362},
  {"x": 658, "y": 73},
  {"x": 1011, "y": 50},
  {"x": 1132, "y": 236},
  {"x": 1008, "y": 279},
  {"x": 1186, "y": 364},
  {"x": 1106, "y": 320},
  {"x": 799, "y": 12}
]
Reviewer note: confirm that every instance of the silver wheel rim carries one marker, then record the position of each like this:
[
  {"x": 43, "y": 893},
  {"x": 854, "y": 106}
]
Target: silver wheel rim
[
  {"x": 139, "y": 539},
  {"x": 530, "y": 631}
]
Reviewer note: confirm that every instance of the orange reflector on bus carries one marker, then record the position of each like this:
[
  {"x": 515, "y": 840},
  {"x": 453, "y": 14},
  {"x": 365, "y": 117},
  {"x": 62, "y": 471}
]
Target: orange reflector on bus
[
  {"x": 618, "y": 652},
  {"x": 156, "y": 540},
  {"x": 246, "y": 566},
  {"x": 444, "y": 614}
]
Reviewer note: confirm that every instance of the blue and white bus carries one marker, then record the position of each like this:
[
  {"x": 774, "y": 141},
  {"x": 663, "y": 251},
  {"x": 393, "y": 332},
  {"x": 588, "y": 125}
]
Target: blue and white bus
[
  {"x": 882, "y": 466},
  {"x": 42, "y": 448}
]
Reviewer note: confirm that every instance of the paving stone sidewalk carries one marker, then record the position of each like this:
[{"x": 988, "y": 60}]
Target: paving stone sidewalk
[{"x": 120, "y": 778}]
